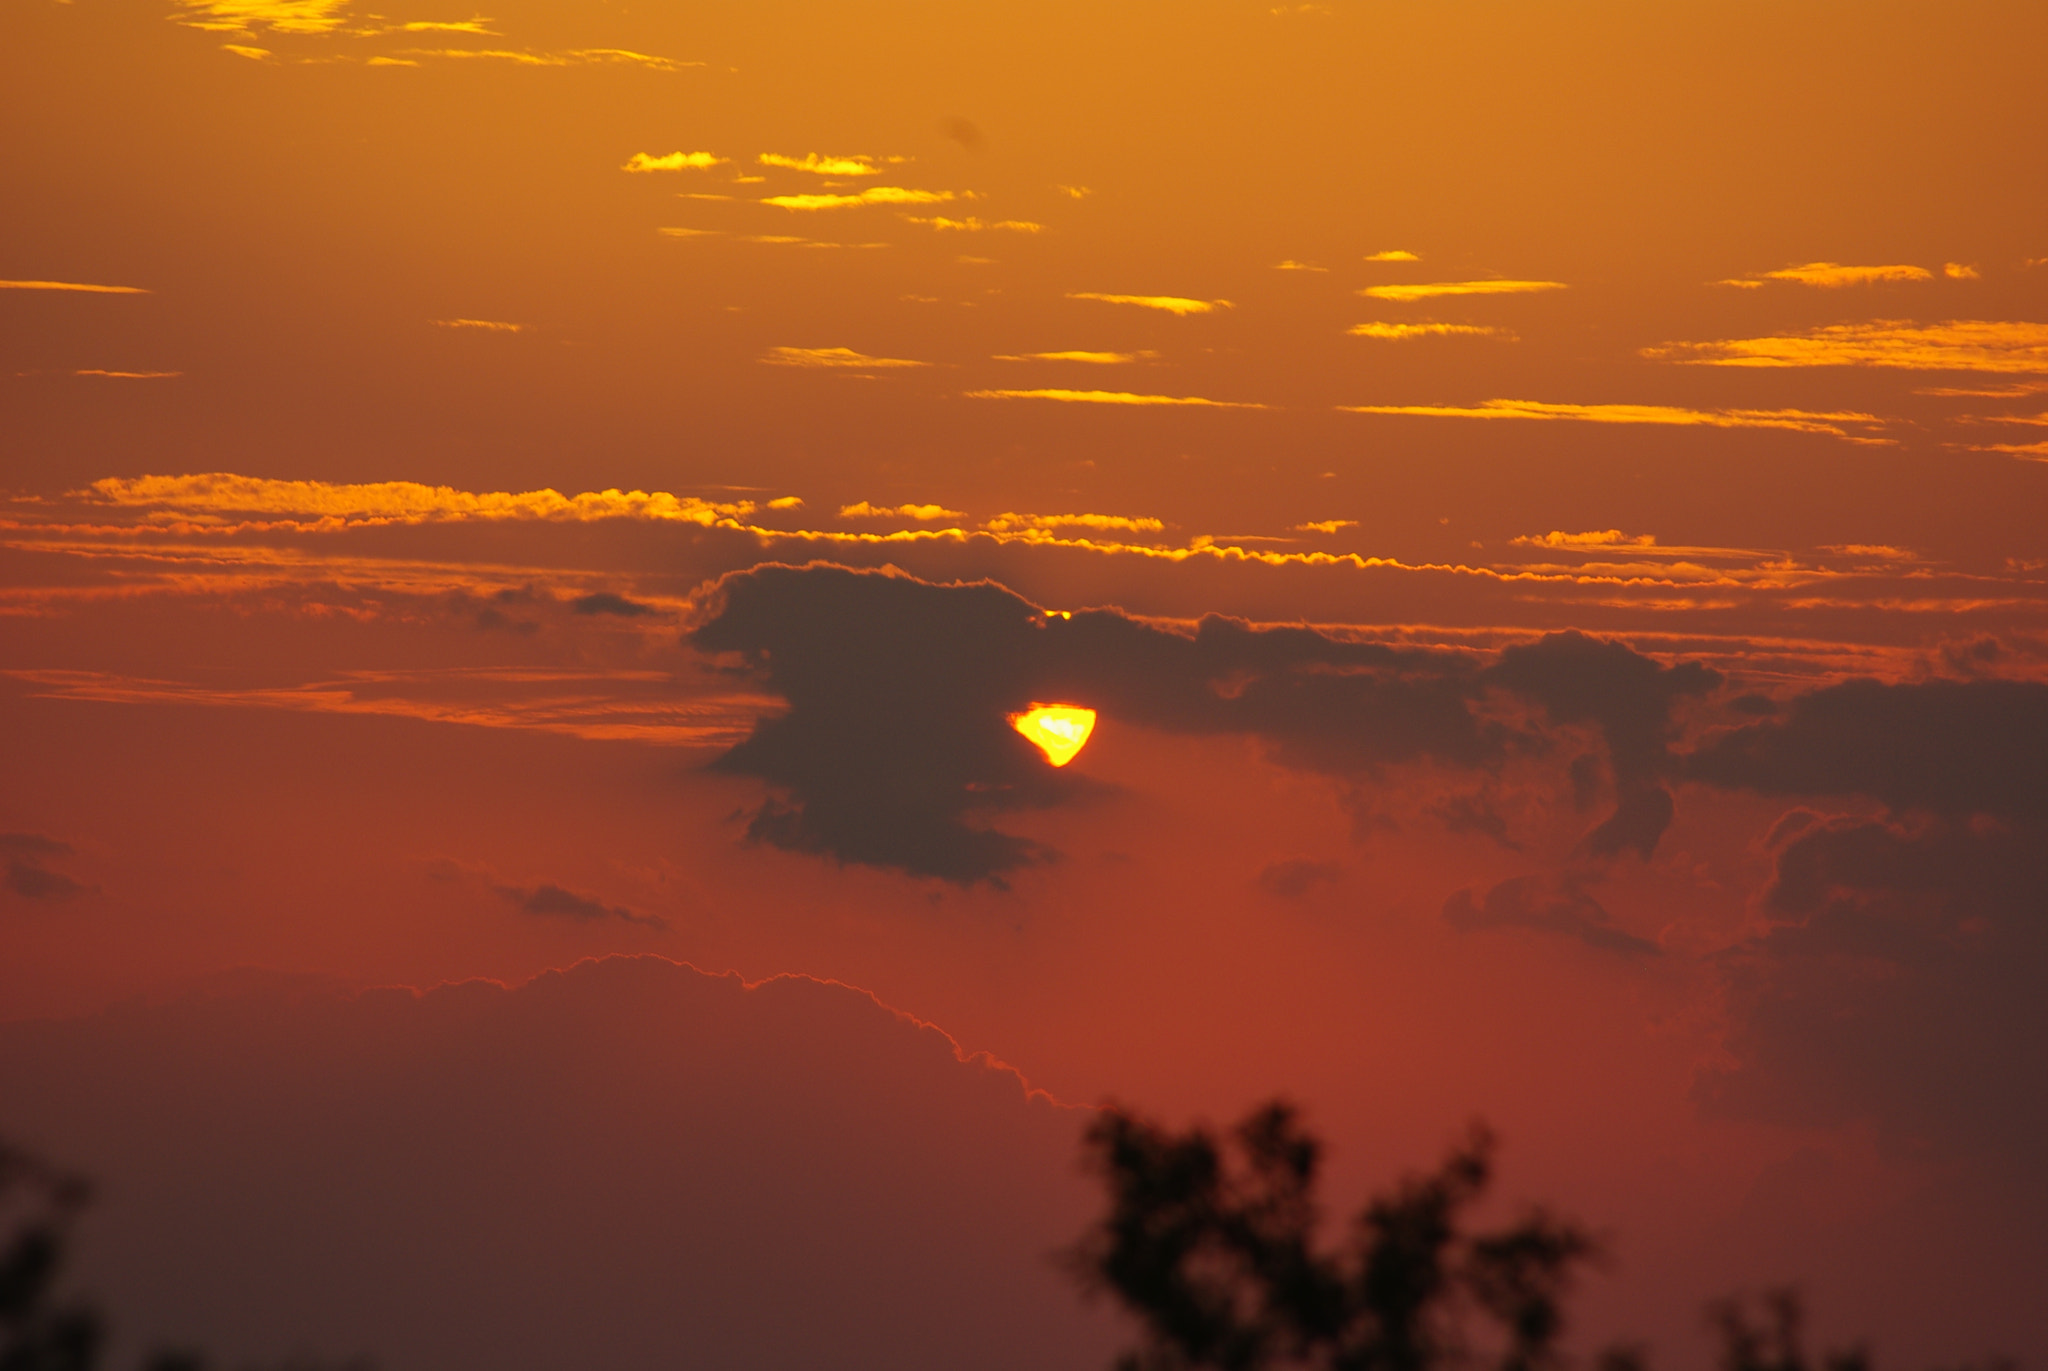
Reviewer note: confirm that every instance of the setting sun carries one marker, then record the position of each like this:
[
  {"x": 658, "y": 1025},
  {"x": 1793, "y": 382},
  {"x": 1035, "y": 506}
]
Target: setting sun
[{"x": 1061, "y": 731}]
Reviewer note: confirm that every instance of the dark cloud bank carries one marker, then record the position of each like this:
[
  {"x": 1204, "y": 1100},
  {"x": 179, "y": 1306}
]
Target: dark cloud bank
[{"x": 1897, "y": 977}]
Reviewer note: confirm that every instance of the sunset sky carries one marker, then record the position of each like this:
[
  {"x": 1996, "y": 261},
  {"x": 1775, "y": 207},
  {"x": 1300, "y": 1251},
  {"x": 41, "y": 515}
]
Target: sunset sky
[{"x": 1548, "y": 504}]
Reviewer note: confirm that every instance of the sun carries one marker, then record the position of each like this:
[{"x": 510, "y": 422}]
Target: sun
[{"x": 1059, "y": 730}]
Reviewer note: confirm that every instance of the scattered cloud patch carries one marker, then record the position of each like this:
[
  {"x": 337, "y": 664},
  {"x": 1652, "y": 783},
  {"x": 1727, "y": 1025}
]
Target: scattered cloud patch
[
  {"x": 1960, "y": 271},
  {"x": 1100, "y": 359},
  {"x": 1012, "y": 522},
  {"x": 1397, "y": 332},
  {"x": 605, "y": 602},
  {"x": 672, "y": 161},
  {"x": 482, "y": 325},
  {"x": 1957, "y": 345},
  {"x": 1074, "y": 192},
  {"x": 127, "y": 375},
  {"x": 1600, "y": 540},
  {"x": 873, "y": 195},
  {"x": 73, "y": 285},
  {"x": 223, "y": 493},
  {"x": 1392, "y": 255},
  {"x": 1833, "y": 275},
  {"x": 1795, "y": 420},
  {"x": 1291, "y": 265},
  {"x": 1429, "y": 290},
  {"x": 553, "y": 901},
  {"x": 254, "y": 54},
  {"x": 845, "y": 358},
  {"x": 279, "y": 16},
  {"x": 1326, "y": 526},
  {"x": 973, "y": 225},
  {"x": 574, "y": 57},
  {"x": 690, "y": 233},
  {"x": 1109, "y": 397},
  {"x": 922, "y": 513},
  {"x": 858, "y": 165},
  {"x": 1172, "y": 304}
]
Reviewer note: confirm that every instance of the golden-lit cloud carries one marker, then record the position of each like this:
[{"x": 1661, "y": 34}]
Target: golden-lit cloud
[
  {"x": 1957, "y": 345},
  {"x": 1392, "y": 255},
  {"x": 1291, "y": 265},
  {"x": 922, "y": 513},
  {"x": 252, "y": 53},
  {"x": 1598, "y": 540},
  {"x": 280, "y": 16},
  {"x": 222, "y": 493},
  {"x": 1429, "y": 290},
  {"x": 1960, "y": 271},
  {"x": 444, "y": 26},
  {"x": 73, "y": 285},
  {"x": 1074, "y": 192},
  {"x": 485, "y": 325},
  {"x": 1109, "y": 397},
  {"x": 1832, "y": 276},
  {"x": 1796, "y": 420},
  {"x": 1012, "y": 522},
  {"x": 672, "y": 161},
  {"x": 826, "y": 166},
  {"x": 2013, "y": 391},
  {"x": 973, "y": 225},
  {"x": 127, "y": 375},
  {"x": 1326, "y": 526},
  {"x": 574, "y": 57},
  {"x": 690, "y": 233},
  {"x": 1879, "y": 552},
  {"x": 1396, "y": 332},
  {"x": 2033, "y": 452},
  {"x": 873, "y": 195},
  {"x": 1171, "y": 304},
  {"x": 833, "y": 357},
  {"x": 1100, "y": 359}
]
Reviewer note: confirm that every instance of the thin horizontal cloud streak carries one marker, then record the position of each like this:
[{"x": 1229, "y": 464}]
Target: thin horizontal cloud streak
[
  {"x": 1795, "y": 420},
  {"x": 834, "y": 358},
  {"x": 1170, "y": 304},
  {"x": 1957, "y": 345},
  {"x": 1109, "y": 397},
  {"x": 85, "y": 286},
  {"x": 1430, "y": 290},
  {"x": 1834, "y": 276}
]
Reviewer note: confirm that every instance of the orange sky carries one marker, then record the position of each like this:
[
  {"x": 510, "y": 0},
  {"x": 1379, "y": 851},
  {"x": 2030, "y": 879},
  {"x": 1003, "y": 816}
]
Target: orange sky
[{"x": 1639, "y": 413}]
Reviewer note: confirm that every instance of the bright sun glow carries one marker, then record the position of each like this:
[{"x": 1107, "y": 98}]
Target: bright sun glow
[{"x": 1059, "y": 730}]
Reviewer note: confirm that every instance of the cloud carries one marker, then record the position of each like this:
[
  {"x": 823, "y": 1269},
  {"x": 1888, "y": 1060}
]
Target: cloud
[
  {"x": 1400, "y": 331},
  {"x": 1547, "y": 904},
  {"x": 873, "y": 195},
  {"x": 1109, "y": 397},
  {"x": 127, "y": 375},
  {"x": 397, "y": 501},
  {"x": 1958, "y": 271},
  {"x": 1834, "y": 276},
  {"x": 73, "y": 285},
  {"x": 864, "y": 510},
  {"x": 826, "y": 166},
  {"x": 485, "y": 325},
  {"x": 1429, "y": 290},
  {"x": 1599, "y": 540},
  {"x": 1297, "y": 876},
  {"x": 279, "y": 16},
  {"x": 1795, "y": 420},
  {"x": 691, "y": 233},
  {"x": 1957, "y": 345},
  {"x": 1074, "y": 192},
  {"x": 1010, "y": 522},
  {"x": 28, "y": 874},
  {"x": 244, "y": 50},
  {"x": 972, "y": 225},
  {"x": 552, "y": 901},
  {"x": 672, "y": 161},
  {"x": 1093, "y": 358},
  {"x": 1392, "y": 255},
  {"x": 573, "y": 57},
  {"x": 1327, "y": 526},
  {"x": 1172, "y": 304},
  {"x": 1291, "y": 265},
  {"x": 605, "y": 602},
  {"x": 443, "y": 26},
  {"x": 833, "y": 357}
]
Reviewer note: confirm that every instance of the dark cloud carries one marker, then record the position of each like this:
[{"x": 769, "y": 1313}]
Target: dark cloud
[
  {"x": 1474, "y": 814},
  {"x": 28, "y": 874},
  {"x": 604, "y": 602},
  {"x": 552, "y": 900},
  {"x": 1901, "y": 985},
  {"x": 1548, "y": 904},
  {"x": 899, "y": 690},
  {"x": 1295, "y": 877},
  {"x": 1951, "y": 747}
]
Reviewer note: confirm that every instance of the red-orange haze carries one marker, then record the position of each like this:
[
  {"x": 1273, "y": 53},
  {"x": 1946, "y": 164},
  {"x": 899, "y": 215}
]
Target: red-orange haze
[{"x": 533, "y": 539}]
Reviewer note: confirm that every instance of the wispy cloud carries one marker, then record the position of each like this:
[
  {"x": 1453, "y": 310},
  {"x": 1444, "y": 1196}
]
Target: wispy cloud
[
  {"x": 873, "y": 195},
  {"x": 922, "y": 513},
  {"x": 1074, "y": 192},
  {"x": 127, "y": 375},
  {"x": 973, "y": 225},
  {"x": 2033, "y": 452},
  {"x": 1396, "y": 332},
  {"x": 254, "y": 54},
  {"x": 444, "y": 26},
  {"x": 1961, "y": 271},
  {"x": 485, "y": 325},
  {"x": 1831, "y": 276},
  {"x": 73, "y": 285},
  {"x": 1172, "y": 304},
  {"x": 1109, "y": 397},
  {"x": 280, "y": 16},
  {"x": 690, "y": 233},
  {"x": 857, "y": 165},
  {"x": 2013, "y": 391},
  {"x": 1392, "y": 255},
  {"x": 673, "y": 161},
  {"x": 574, "y": 57},
  {"x": 1796, "y": 420},
  {"x": 1100, "y": 359},
  {"x": 1326, "y": 526},
  {"x": 1429, "y": 290},
  {"x": 223, "y": 493},
  {"x": 1291, "y": 265},
  {"x": 1598, "y": 540},
  {"x": 1012, "y": 522},
  {"x": 833, "y": 357},
  {"x": 1957, "y": 345}
]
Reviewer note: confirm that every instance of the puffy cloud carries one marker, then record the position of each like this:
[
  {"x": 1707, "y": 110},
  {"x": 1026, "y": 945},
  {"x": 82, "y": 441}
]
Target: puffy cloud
[
  {"x": 1392, "y": 255},
  {"x": 1957, "y": 345},
  {"x": 1397, "y": 332},
  {"x": 1429, "y": 290},
  {"x": 1109, "y": 397},
  {"x": 1959, "y": 271},
  {"x": 864, "y": 510},
  {"x": 1795, "y": 420},
  {"x": 845, "y": 358},
  {"x": 672, "y": 161},
  {"x": 825, "y": 166},
  {"x": 1171, "y": 304}
]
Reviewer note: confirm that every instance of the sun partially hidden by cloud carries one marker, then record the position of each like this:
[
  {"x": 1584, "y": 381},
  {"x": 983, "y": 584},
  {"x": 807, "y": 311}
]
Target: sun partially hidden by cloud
[
  {"x": 1833, "y": 275},
  {"x": 1102, "y": 359},
  {"x": 1396, "y": 332},
  {"x": 1102, "y": 523},
  {"x": 281, "y": 16},
  {"x": 857, "y": 165},
  {"x": 73, "y": 285},
  {"x": 923, "y": 513},
  {"x": 833, "y": 357},
  {"x": 873, "y": 195},
  {"x": 1797, "y": 420},
  {"x": 1171, "y": 304},
  {"x": 1957, "y": 345},
  {"x": 1060, "y": 731},
  {"x": 1392, "y": 255},
  {"x": 672, "y": 161},
  {"x": 485, "y": 325},
  {"x": 1428, "y": 290},
  {"x": 1109, "y": 397}
]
